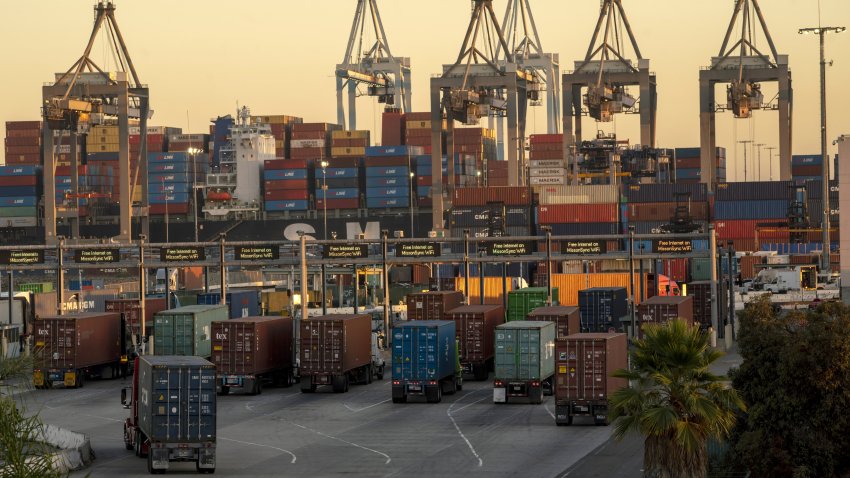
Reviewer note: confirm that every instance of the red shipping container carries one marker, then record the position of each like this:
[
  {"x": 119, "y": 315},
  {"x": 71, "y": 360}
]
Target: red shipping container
[
  {"x": 546, "y": 155},
  {"x": 303, "y": 127},
  {"x": 277, "y": 164},
  {"x": 663, "y": 211},
  {"x": 584, "y": 364},
  {"x": 308, "y": 135},
  {"x": 173, "y": 208},
  {"x": 432, "y": 305},
  {"x": 352, "y": 203},
  {"x": 389, "y": 161},
  {"x": 567, "y": 318},
  {"x": 475, "y": 327},
  {"x": 746, "y": 229},
  {"x": 23, "y": 159},
  {"x": 341, "y": 163},
  {"x": 577, "y": 213},
  {"x": 480, "y": 196},
  {"x": 19, "y": 125},
  {"x": 424, "y": 180},
  {"x": 286, "y": 194},
  {"x": 18, "y": 180},
  {"x": 279, "y": 184},
  {"x": 663, "y": 309},
  {"x": 129, "y": 308},
  {"x": 688, "y": 163},
  {"x": 547, "y": 147},
  {"x": 77, "y": 341},
  {"x": 546, "y": 138},
  {"x": 418, "y": 116},
  {"x": 307, "y": 153},
  {"x": 676, "y": 269},
  {"x": 392, "y": 128},
  {"x": 23, "y": 141},
  {"x": 280, "y": 152},
  {"x": 252, "y": 346}
]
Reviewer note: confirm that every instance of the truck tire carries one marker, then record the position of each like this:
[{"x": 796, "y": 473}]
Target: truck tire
[
  {"x": 224, "y": 391},
  {"x": 380, "y": 373},
  {"x": 400, "y": 399},
  {"x": 369, "y": 372},
  {"x": 480, "y": 372},
  {"x": 338, "y": 383},
  {"x": 452, "y": 386}
]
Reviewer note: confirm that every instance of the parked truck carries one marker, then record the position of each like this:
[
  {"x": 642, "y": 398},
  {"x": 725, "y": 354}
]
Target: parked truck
[
  {"x": 583, "y": 381},
  {"x": 425, "y": 360},
  {"x": 251, "y": 351},
  {"x": 186, "y": 330},
  {"x": 525, "y": 361},
  {"x": 781, "y": 281},
  {"x": 173, "y": 412},
  {"x": 69, "y": 348},
  {"x": 337, "y": 350},
  {"x": 475, "y": 326},
  {"x": 432, "y": 305},
  {"x": 567, "y": 319}
]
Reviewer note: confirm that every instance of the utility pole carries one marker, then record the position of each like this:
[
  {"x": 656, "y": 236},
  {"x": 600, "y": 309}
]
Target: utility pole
[
  {"x": 757, "y": 174},
  {"x": 770, "y": 151},
  {"x": 821, "y": 32},
  {"x": 745, "y": 142}
]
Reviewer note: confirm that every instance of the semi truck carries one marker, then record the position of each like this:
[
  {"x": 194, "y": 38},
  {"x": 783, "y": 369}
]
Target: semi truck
[
  {"x": 172, "y": 405},
  {"x": 475, "y": 326},
  {"x": 525, "y": 361},
  {"x": 337, "y": 350},
  {"x": 251, "y": 351},
  {"x": 425, "y": 361},
  {"x": 186, "y": 330}
]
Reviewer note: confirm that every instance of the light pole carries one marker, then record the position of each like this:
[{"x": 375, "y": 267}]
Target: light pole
[
  {"x": 165, "y": 195},
  {"x": 770, "y": 151},
  {"x": 758, "y": 159},
  {"x": 410, "y": 190},
  {"x": 821, "y": 32},
  {"x": 745, "y": 142},
  {"x": 192, "y": 152},
  {"x": 324, "y": 165}
]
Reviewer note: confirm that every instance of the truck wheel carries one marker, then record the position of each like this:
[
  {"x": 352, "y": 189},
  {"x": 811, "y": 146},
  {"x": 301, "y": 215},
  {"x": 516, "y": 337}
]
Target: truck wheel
[
  {"x": 480, "y": 372},
  {"x": 203, "y": 470},
  {"x": 338, "y": 385},
  {"x": 79, "y": 380},
  {"x": 345, "y": 381},
  {"x": 452, "y": 386},
  {"x": 369, "y": 372},
  {"x": 400, "y": 399},
  {"x": 380, "y": 372},
  {"x": 459, "y": 381},
  {"x": 224, "y": 391}
]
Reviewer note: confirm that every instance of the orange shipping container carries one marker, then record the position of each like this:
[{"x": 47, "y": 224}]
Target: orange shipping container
[
  {"x": 570, "y": 284},
  {"x": 492, "y": 289}
]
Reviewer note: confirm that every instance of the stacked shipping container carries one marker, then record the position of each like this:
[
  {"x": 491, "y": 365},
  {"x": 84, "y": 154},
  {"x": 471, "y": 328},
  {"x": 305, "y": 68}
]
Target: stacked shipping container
[
  {"x": 388, "y": 176},
  {"x": 349, "y": 144},
  {"x": 688, "y": 166},
  {"x": 288, "y": 184},
  {"x": 170, "y": 180},
  {"x": 23, "y": 142},
  {"x": 20, "y": 192},
  {"x": 281, "y": 126},
  {"x": 547, "y": 166}
]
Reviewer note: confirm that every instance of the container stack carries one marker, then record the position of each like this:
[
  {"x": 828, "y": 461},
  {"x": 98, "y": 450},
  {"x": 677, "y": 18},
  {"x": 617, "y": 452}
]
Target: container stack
[
  {"x": 219, "y": 134},
  {"x": 464, "y": 175},
  {"x": 157, "y": 139},
  {"x": 579, "y": 210},
  {"x": 62, "y": 148},
  {"x": 807, "y": 167},
  {"x": 751, "y": 211},
  {"x": 388, "y": 176},
  {"x": 342, "y": 179},
  {"x": 311, "y": 140},
  {"x": 814, "y": 205},
  {"x": 417, "y": 130},
  {"x": 392, "y": 128},
  {"x": 496, "y": 173},
  {"x": 281, "y": 126},
  {"x": 170, "y": 180},
  {"x": 688, "y": 165},
  {"x": 349, "y": 144},
  {"x": 602, "y": 308},
  {"x": 546, "y": 160},
  {"x": 288, "y": 185},
  {"x": 181, "y": 143},
  {"x": 491, "y": 211},
  {"x": 20, "y": 191},
  {"x": 479, "y": 143},
  {"x": 23, "y": 142}
]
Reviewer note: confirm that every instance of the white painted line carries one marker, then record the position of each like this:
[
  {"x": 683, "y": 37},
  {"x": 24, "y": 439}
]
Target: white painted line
[
  {"x": 262, "y": 446},
  {"x": 345, "y": 441},
  {"x": 546, "y": 406},
  {"x": 365, "y": 408},
  {"x": 470, "y": 404},
  {"x": 471, "y": 448}
]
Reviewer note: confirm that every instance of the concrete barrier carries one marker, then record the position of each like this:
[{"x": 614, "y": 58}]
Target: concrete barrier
[{"x": 75, "y": 452}]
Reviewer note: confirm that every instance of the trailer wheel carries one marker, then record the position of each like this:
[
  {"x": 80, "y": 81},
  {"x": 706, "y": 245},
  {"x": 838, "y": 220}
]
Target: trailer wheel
[
  {"x": 452, "y": 386},
  {"x": 79, "y": 380},
  {"x": 338, "y": 383},
  {"x": 400, "y": 399},
  {"x": 380, "y": 373},
  {"x": 480, "y": 372},
  {"x": 369, "y": 372}
]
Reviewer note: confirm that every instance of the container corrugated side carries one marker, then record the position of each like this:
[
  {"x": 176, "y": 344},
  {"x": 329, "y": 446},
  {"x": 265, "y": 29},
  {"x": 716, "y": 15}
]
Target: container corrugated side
[
  {"x": 186, "y": 330},
  {"x": 585, "y": 363},
  {"x": 603, "y": 194},
  {"x": 424, "y": 350},
  {"x": 475, "y": 327},
  {"x": 76, "y": 341},
  {"x": 335, "y": 344},
  {"x": 525, "y": 351},
  {"x": 252, "y": 345},
  {"x": 523, "y": 301}
]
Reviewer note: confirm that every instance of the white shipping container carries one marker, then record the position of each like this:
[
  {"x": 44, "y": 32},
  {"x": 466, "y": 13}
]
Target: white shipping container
[
  {"x": 538, "y": 172},
  {"x": 546, "y": 163},
  {"x": 548, "y": 180},
  {"x": 151, "y": 130},
  {"x": 601, "y": 194},
  {"x": 307, "y": 143},
  {"x": 18, "y": 222},
  {"x": 62, "y": 149}
]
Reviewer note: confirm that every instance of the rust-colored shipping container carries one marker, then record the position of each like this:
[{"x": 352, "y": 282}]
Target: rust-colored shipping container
[
  {"x": 700, "y": 291},
  {"x": 578, "y": 213},
  {"x": 663, "y": 309},
  {"x": 392, "y": 128},
  {"x": 334, "y": 349},
  {"x": 129, "y": 308},
  {"x": 567, "y": 319},
  {"x": 69, "y": 347},
  {"x": 663, "y": 211},
  {"x": 250, "y": 350},
  {"x": 583, "y": 382},
  {"x": 747, "y": 266},
  {"x": 475, "y": 326},
  {"x": 480, "y": 196},
  {"x": 432, "y": 305}
]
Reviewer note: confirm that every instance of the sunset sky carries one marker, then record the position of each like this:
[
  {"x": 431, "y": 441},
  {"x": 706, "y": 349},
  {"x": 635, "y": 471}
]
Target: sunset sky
[{"x": 278, "y": 57}]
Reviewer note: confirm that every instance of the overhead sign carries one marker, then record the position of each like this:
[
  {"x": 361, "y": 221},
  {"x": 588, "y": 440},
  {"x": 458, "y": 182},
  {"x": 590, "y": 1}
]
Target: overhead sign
[
  {"x": 672, "y": 246},
  {"x": 182, "y": 254},
  {"x": 584, "y": 247},
  {"x": 256, "y": 253},
  {"x": 428, "y": 249},
  {"x": 509, "y": 248},
  {"x": 345, "y": 251},
  {"x": 21, "y": 258},
  {"x": 96, "y": 256}
]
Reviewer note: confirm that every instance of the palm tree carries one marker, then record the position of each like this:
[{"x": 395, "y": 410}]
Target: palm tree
[{"x": 676, "y": 403}]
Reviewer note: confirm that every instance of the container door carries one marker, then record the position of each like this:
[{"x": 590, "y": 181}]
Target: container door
[
  {"x": 163, "y": 335},
  {"x": 331, "y": 356},
  {"x": 475, "y": 333},
  {"x": 310, "y": 339},
  {"x": 506, "y": 350},
  {"x": 529, "y": 354},
  {"x": 184, "y": 335},
  {"x": 183, "y": 404}
]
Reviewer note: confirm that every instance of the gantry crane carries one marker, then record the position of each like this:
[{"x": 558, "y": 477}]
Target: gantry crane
[
  {"x": 606, "y": 71},
  {"x": 743, "y": 66},
  {"x": 85, "y": 95},
  {"x": 477, "y": 85},
  {"x": 383, "y": 75},
  {"x": 526, "y": 47}
]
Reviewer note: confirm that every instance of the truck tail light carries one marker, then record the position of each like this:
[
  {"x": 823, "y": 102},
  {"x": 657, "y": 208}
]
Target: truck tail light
[
  {"x": 432, "y": 382},
  {"x": 396, "y": 382},
  {"x": 535, "y": 383},
  {"x": 499, "y": 383}
]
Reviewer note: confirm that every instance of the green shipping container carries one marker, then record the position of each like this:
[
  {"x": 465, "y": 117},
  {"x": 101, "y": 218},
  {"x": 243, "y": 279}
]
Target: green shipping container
[
  {"x": 525, "y": 350},
  {"x": 9, "y": 211},
  {"x": 700, "y": 269},
  {"x": 35, "y": 287},
  {"x": 186, "y": 330},
  {"x": 522, "y": 301}
]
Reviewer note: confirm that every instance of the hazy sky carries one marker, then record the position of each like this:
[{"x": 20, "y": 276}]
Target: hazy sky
[{"x": 278, "y": 57}]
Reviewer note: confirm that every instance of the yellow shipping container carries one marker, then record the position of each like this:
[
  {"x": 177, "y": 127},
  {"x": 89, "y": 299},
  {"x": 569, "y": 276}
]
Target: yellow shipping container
[
  {"x": 413, "y": 124},
  {"x": 492, "y": 289},
  {"x": 354, "y": 134},
  {"x": 137, "y": 194},
  {"x": 275, "y": 119},
  {"x": 279, "y": 143},
  {"x": 275, "y": 302},
  {"x": 570, "y": 284},
  {"x": 344, "y": 152}
]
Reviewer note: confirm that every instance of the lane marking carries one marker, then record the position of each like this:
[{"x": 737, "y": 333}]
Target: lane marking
[
  {"x": 468, "y": 443},
  {"x": 345, "y": 441},
  {"x": 278, "y": 398},
  {"x": 262, "y": 446},
  {"x": 546, "y": 406},
  {"x": 365, "y": 408}
]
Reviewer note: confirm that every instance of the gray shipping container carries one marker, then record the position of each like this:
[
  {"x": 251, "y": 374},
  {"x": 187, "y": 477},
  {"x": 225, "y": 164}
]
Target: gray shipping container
[
  {"x": 186, "y": 330},
  {"x": 525, "y": 350}
]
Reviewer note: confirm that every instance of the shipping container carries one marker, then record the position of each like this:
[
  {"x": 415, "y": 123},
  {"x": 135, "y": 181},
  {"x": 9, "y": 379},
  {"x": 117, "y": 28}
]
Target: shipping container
[
  {"x": 578, "y": 213},
  {"x": 751, "y": 209},
  {"x": 425, "y": 360},
  {"x": 522, "y": 301},
  {"x": 336, "y": 350},
  {"x": 481, "y": 196},
  {"x": 174, "y": 412},
  {"x": 251, "y": 351},
  {"x": 432, "y": 305},
  {"x": 578, "y": 194},
  {"x": 69, "y": 348},
  {"x": 700, "y": 292},
  {"x": 584, "y": 382},
  {"x": 662, "y": 309},
  {"x": 753, "y": 191},
  {"x": 492, "y": 289},
  {"x": 602, "y": 308},
  {"x": 186, "y": 330},
  {"x": 525, "y": 361},
  {"x": 130, "y": 308},
  {"x": 475, "y": 326},
  {"x": 567, "y": 319},
  {"x": 639, "y": 193},
  {"x": 241, "y": 303}
]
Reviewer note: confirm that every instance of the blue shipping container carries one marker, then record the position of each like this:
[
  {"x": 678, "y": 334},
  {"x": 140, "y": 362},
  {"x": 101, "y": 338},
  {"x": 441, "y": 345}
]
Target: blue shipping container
[
  {"x": 391, "y": 192},
  {"x": 31, "y": 201},
  {"x": 806, "y": 160},
  {"x": 166, "y": 157},
  {"x": 602, "y": 307},
  {"x": 292, "y": 205},
  {"x": 338, "y": 173},
  {"x": 684, "y": 173},
  {"x": 169, "y": 178},
  {"x": 160, "y": 188},
  {"x": 243, "y": 303},
  {"x": 198, "y": 168},
  {"x": 391, "y": 171},
  {"x": 387, "y": 181},
  {"x": 279, "y": 174},
  {"x": 18, "y": 191},
  {"x": 391, "y": 151},
  {"x": 423, "y": 191},
  {"x": 175, "y": 198},
  {"x": 387, "y": 202},
  {"x": 424, "y": 350},
  {"x": 22, "y": 170},
  {"x": 346, "y": 193},
  {"x": 753, "y": 209}
]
